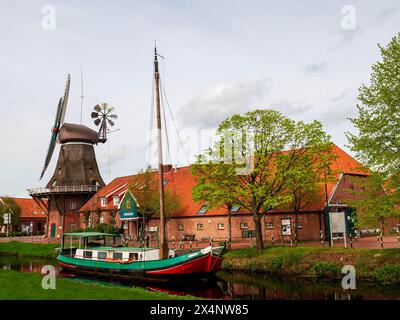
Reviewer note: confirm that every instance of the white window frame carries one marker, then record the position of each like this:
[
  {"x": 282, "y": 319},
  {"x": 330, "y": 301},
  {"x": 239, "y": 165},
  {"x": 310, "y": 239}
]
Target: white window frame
[
  {"x": 103, "y": 201},
  {"x": 221, "y": 226},
  {"x": 116, "y": 200},
  {"x": 72, "y": 205},
  {"x": 181, "y": 227},
  {"x": 243, "y": 227}
]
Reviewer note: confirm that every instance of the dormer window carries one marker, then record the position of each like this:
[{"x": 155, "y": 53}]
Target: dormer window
[
  {"x": 116, "y": 200},
  {"x": 103, "y": 201},
  {"x": 235, "y": 208},
  {"x": 203, "y": 209}
]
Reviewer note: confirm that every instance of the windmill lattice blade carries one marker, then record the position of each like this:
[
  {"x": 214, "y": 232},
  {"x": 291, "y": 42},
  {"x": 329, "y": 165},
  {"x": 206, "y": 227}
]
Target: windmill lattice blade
[
  {"x": 97, "y": 108},
  {"x": 97, "y": 122},
  {"x": 113, "y": 116},
  {"x": 50, "y": 152},
  {"x": 111, "y": 122},
  {"x": 94, "y": 115},
  {"x": 65, "y": 99},
  {"x": 58, "y": 113}
]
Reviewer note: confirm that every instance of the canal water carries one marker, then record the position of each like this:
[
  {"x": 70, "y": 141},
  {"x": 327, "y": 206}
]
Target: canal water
[{"x": 233, "y": 286}]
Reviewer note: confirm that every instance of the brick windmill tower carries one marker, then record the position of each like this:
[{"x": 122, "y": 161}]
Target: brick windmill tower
[{"x": 76, "y": 176}]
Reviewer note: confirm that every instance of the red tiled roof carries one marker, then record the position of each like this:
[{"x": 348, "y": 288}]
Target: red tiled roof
[
  {"x": 117, "y": 187},
  {"x": 181, "y": 181},
  {"x": 30, "y": 209}
]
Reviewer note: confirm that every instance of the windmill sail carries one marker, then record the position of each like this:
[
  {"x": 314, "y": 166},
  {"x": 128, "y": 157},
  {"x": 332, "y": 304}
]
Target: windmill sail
[
  {"x": 65, "y": 99},
  {"x": 102, "y": 115},
  {"x": 60, "y": 115}
]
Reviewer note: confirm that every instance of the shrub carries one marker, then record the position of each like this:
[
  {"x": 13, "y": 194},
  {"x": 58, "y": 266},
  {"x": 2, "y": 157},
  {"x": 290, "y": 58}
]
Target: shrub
[
  {"x": 326, "y": 269},
  {"x": 101, "y": 227},
  {"x": 388, "y": 274},
  {"x": 275, "y": 264}
]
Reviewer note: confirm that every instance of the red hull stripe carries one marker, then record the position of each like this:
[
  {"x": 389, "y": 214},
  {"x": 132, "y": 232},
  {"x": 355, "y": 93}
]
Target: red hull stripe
[{"x": 205, "y": 264}]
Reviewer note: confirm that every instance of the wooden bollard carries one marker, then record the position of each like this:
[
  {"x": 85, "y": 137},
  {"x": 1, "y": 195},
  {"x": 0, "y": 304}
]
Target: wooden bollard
[
  {"x": 173, "y": 242},
  {"x": 321, "y": 236},
  {"x": 273, "y": 240},
  {"x": 190, "y": 246},
  {"x": 381, "y": 240}
]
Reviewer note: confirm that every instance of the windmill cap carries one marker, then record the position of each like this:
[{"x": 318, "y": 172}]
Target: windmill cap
[{"x": 71, "y": 132}]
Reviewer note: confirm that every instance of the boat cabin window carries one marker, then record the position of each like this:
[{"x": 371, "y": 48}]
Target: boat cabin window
[
  {"x": 87, "y": 254},
  {"x": 117, "y": 255},
  {"x": 133, "y": 256},
  {"x": 101, "y": 255}
]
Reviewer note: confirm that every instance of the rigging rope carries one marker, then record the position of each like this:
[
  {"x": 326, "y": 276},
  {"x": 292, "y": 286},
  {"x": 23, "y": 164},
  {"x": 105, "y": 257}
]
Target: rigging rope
[{"x": 173, "y": 120}]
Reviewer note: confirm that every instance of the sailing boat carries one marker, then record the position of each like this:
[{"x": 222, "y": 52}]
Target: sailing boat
[{"x": 99, "y": 254}]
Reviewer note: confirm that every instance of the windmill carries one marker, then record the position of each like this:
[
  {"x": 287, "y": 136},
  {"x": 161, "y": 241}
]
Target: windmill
[
  {"x": 60, "y": 116},
  {"x": 103, "y": 114},
  {"x": 76, "y": 176}
]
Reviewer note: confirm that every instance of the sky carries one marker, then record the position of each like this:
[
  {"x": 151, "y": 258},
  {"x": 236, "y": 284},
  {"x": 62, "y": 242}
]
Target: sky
[{"x": 306, "y": 59}]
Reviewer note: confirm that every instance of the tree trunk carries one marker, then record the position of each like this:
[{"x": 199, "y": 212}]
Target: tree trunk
[
  {"x": 259, "y": 237},
  {"x": 382, "y": 225},
  {"x": 296, "y": 225},
  {"x": 229, "y": 227}
]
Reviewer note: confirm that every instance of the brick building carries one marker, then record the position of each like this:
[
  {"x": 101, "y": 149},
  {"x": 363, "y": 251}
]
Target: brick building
[
  {"x": 196, "y": 219},
  {"x": 32, "y": 220}
]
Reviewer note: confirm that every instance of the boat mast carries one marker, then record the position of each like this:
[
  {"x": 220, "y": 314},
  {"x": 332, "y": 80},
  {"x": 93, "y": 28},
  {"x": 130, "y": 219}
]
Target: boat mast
[{"x": 162, "y": 233}]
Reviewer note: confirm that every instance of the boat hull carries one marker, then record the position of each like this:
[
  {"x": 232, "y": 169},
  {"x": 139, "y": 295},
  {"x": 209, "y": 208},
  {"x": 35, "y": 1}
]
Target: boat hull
[{"x": 189, "y": 267}]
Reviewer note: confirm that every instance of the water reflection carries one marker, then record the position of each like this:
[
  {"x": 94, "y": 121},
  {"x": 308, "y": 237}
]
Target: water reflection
[{"x": 231, "y": 286}]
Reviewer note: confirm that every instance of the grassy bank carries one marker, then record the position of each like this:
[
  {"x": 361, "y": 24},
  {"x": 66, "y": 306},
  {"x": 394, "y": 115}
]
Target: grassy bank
[
  {"x": 28, "y": 249},
  {"x": 27, "y": 286},
  {"x": 371, "y": 264}
]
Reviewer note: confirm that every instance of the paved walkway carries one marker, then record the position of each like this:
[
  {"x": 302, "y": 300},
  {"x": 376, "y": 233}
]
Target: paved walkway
[{"x": 364, "y": 242}]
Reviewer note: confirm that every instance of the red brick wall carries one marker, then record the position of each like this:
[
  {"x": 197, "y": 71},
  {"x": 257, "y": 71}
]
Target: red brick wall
[
  {"x": 210, "y": 227},
  {"x": 309, "y": 222},
  {"x": 72, "y": 216}
]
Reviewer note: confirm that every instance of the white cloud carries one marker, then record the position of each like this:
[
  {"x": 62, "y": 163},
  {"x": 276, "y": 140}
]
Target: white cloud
[{"x": 208, "y": 109}]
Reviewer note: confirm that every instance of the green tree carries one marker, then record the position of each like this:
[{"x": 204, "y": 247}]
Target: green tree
[
  {"x": 263, "y": 146},
  {"x": 305, "y": 179},
  {"x": 214, "y": 185},
  {"x": 144, "y": 187},
  {"x": 377, "y": 143},
  {"x": 376, "y": 199},
  {"x": 8, "y": 205}
]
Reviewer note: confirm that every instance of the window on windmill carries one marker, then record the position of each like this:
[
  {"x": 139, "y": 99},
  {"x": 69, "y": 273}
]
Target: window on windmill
[
  {"x": 116, "y": 200},
  {"x": 103, "y": 201},
  {"x": 165, "y": 182},
  {"x": 72, "y": 205},
  {"x": 181, "y": 226},
  {"x": 101, "y": 219},
  {"x": 203, "y": 209},
  {"x": 270, "y": 225},
  {"x": 200, "y": 226},
  {"x": 235, "y": 208},
  {"x": 221, "y": 226}
]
